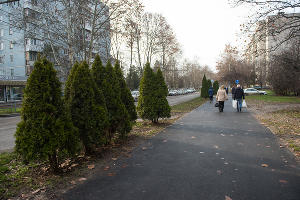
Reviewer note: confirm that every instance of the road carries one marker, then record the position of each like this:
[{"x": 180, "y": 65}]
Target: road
[
  {"x": 8, "y": 124},
  {"x": 7, "y": 130},
  {"x": 205, "y": 155}
]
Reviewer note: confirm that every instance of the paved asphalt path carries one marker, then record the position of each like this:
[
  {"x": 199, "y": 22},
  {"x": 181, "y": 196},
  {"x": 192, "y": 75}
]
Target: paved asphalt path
[
  {"x": 206, "y": 155},
  {"x": 8, "y": 124}
]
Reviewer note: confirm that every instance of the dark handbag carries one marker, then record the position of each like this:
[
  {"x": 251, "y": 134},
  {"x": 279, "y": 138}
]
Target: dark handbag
[{"x": 217, "y": 104}]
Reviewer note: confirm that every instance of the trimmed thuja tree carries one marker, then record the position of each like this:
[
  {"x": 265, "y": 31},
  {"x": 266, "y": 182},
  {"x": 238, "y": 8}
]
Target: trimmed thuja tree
[
  {"x": 161, "y": 106},
  {"x": 45, "y": 131},
  {"x": 126, "y": 96},
  {"x": 88, "y": 115},
  {"x": 119, "y": 117},
  {"x": 204, "y": 88},
  {"x": 216, "y": 86},
  {"x": 152, "y": 102},
  {"x": 106, "y": 80}
]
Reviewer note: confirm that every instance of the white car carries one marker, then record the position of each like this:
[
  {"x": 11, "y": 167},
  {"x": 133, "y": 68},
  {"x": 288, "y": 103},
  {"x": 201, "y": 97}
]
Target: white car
[
  {"x": 252, "y": 91},
  {"x": 135, "y": 95}
]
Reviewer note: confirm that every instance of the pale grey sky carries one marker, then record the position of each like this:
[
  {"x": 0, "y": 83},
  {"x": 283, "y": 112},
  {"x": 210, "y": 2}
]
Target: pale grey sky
[{"x": 203, "y": 27}]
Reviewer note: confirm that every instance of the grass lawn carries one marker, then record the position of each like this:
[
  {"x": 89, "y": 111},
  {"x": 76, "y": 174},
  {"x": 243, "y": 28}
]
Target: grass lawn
[
  {"x": 9, "y": 111},
  {"x": 16, "y": 178},
  {"x": 272, "y": 98},
  {"x": 188, "y": 106}
]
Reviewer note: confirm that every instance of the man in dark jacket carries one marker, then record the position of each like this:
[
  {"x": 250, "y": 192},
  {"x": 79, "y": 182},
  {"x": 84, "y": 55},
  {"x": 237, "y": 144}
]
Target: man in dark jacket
[
  {"x": 233, "y": 90},
  {"x": 239, "y": 95},
  {"x": 211, "y": 94}
]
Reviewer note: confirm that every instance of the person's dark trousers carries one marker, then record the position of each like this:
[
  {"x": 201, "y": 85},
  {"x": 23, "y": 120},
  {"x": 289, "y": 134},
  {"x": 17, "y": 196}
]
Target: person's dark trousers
[
  {"x": 239, "y": 105},
  {"x": 221, "y": 106},
  {"x": 211, "y": 98}
]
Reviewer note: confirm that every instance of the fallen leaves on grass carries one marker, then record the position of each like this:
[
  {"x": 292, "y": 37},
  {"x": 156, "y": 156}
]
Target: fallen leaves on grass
[
  {"x": 82, "y": 179},
  {"x": 91, "y": 166}
]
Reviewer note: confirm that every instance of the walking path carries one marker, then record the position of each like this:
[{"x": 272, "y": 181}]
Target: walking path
[{"x": 206, "y": 155}]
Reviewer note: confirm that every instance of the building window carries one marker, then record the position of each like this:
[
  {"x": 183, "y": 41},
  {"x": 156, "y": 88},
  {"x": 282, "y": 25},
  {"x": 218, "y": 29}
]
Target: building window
[
  {"x": 1, "y": 32},
  {"x": 10, "y": 31},
  {"x": 1, "y": 46},
  {"x": 11, "y": 58},
  {"x": 11, "y": 45},
  {"x": 1, "y": 59},
  {"x": 12, "y": 72}
]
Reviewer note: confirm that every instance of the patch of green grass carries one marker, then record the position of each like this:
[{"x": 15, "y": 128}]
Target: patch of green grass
[
  {"x": 272, "y": 98},
  {"x": 12, "y": 172},
  {"x": 188, "y": 106},
  {"x": 9, "y": 110},
  {"x": 294, "y": 146}
]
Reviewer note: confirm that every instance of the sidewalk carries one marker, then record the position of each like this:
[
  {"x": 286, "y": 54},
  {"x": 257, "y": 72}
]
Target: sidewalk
[{"x": 206, "y": 155}]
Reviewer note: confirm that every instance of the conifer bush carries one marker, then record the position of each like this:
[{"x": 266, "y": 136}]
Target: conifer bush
[
  {"x": 161, "y": 106},
  {"x": 45, "y": 131},
  {"x": 119, "y": 117},
  {"x": 216, "y": 86},
  {"x": 87, "y": 115},
  {"x": 152, "y": 103},
  {"x": 126, "y": 96},
  {"x": 146, "y": 100},
  {"x": 204, "y": 88}
]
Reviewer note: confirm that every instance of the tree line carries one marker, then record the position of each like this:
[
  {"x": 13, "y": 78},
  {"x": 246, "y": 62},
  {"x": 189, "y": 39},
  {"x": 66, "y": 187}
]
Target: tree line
[{"x": 96, "y": 108}]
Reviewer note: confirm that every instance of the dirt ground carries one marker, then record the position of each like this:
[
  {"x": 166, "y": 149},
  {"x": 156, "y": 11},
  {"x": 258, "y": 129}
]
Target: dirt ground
[{"x": 283, "y": 119}]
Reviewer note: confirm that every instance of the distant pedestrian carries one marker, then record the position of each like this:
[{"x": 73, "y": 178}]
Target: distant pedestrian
[
  {"x": 211, "y": 94},
  {"x": 239, "y": 96},
  {"x": 226, "y": 90},
  {"x": 233, "y": 90},
  {"x": 221, "y": 97}
]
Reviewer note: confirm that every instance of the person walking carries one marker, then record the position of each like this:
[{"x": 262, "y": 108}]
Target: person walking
[
  {"x": 211, "y": 94},
  {"x": 239, "y": 95},
  {"x": 221, "y": 97},
  {"x": 233, "y": 90}
]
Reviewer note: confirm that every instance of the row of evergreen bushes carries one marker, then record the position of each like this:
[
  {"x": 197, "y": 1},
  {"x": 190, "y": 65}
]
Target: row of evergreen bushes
[
  {"x": 206, "y": 84},
  {"x": 97, "y": 106}
]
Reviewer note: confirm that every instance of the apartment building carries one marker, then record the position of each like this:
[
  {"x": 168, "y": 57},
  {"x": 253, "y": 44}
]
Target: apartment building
[
  {"x": 21, "y": 40},
  {"x": 272, "y": 36},
  {"x": 12, "y": 58}
]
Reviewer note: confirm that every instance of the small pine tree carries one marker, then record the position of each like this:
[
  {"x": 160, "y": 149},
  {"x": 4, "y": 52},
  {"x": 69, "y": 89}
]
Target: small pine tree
[
  {"x": 118, "y": 116},
  {"x": 216, "y": 86},
  {"x": 204, "y": 89},
  {"x": 126, "y": 96},
  {"x": 161, "y": 106},
  {"x": 69, "y": 81},
  {"x": 209, "y": 84},
  {"x": 45, "y": 131},
  {"x": 87, "y": 115},
  {"x": 147, "y": 100}
]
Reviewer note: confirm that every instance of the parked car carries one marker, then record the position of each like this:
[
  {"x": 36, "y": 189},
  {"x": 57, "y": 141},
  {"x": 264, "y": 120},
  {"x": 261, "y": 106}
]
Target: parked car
[
  {"x": 172, "y": 93},
  {"x": 135, "y": 94},
  {"x": 253, "y": 91}
]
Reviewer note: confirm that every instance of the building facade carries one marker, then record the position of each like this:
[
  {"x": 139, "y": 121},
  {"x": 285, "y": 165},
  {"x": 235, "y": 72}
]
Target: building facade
[
  {"x": 272, "y": 36},
  {"x": 12, "y": 57},
  {"x": 24, "y": 35}
]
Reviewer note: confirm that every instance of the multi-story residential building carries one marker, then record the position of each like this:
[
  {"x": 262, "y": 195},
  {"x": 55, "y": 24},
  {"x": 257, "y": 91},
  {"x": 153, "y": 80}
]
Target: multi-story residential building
[
  {"x": 21, "y": 40},
  {"x": 272, "y": 36},
  {"x": 12, "y": 58}
]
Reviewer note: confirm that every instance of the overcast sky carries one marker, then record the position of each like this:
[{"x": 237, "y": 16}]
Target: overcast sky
[{"x": 203, "y": 27}]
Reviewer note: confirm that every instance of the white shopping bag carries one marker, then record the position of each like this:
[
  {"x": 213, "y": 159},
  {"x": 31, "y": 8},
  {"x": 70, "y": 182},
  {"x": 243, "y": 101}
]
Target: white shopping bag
[
  {"x": 234, "y": 102},
  {"x": 244, "y": 105}
]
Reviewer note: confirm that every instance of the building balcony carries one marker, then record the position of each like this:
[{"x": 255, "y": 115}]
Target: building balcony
[{"x": 32, "y": 47}]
